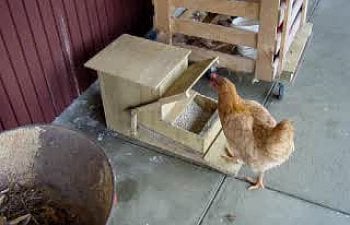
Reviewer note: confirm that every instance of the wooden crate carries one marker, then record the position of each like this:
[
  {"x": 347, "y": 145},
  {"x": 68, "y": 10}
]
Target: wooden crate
[{"x": 280, "y": 22}]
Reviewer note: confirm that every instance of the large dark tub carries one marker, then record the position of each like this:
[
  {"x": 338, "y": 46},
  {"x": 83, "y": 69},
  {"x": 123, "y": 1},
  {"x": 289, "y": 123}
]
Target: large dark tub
[{"x": 74, "y": 170}]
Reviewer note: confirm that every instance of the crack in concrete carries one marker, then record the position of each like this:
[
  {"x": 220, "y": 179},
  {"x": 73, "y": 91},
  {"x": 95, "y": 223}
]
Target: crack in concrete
[
  {"x": 211, "y": 201},
  {"x": 309, "y": 201},
  {"x": 313, "y": 10}
]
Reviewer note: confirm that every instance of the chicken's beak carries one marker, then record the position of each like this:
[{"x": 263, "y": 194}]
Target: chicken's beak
[
  {"x": 213, "y": 83},
  {"x": 213, "y": 76}
]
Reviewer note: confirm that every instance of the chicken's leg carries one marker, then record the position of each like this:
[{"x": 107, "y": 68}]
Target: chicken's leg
[
  {"x": 230, "y": 155},
  {"x": 258, "y": 184}
]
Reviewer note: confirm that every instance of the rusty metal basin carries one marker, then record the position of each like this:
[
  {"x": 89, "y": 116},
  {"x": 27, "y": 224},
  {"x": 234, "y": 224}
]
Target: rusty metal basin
[{"x": 63, "y": 160}]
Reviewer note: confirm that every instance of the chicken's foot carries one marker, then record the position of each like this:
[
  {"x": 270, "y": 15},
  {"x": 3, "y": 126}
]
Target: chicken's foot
[{"x": 257, "y": 184}]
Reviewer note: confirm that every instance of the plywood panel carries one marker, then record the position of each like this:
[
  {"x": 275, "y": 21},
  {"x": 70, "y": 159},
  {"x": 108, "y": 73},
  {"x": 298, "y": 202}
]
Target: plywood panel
[
  {"x": 31, "y": 59},
  {"x": 18, "y": 63},
  {"x": 45, "y": 60},
  {"x": 52, "y": 23},
  {"x": 7, "y": 116}
]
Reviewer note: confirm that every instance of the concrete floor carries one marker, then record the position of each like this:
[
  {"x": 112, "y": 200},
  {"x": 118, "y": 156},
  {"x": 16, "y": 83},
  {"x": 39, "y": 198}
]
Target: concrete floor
[{"x": 312, "y": 188}]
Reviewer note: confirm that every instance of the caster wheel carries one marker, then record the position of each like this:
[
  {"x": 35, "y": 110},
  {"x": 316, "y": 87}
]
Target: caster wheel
[
  {"x": 278, "y": 91},
  {"x": 151, "y": 35}
]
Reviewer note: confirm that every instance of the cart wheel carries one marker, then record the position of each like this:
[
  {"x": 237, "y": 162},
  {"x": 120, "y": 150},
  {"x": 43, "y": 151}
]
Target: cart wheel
[
  {"x": 151, "y": 35},
  {"x": 278, "y": 91}
]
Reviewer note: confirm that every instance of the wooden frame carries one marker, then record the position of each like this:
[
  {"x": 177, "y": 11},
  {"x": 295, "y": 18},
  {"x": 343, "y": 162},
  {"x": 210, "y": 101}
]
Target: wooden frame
[{"x": 280, "y": 21}]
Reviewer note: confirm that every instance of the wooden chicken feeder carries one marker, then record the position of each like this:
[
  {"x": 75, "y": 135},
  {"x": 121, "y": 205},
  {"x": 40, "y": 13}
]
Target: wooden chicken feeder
[{"x": 147, "y": 95}]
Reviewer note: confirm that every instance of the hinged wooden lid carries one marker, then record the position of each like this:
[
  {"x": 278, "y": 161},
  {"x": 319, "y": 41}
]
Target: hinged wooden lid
[
  {"x": 185, "y": 82},
  {"x": 139, "y": 60}
]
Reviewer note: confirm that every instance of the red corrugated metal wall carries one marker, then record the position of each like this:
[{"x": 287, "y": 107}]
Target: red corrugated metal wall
[{"x": 43, "y": 45}]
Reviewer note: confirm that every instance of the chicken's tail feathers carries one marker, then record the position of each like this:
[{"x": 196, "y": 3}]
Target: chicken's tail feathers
[{"x": 280, "y": 143}]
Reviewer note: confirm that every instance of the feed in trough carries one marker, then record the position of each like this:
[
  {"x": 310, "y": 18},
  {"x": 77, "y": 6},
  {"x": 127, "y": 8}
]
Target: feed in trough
[{"x": 195, "y": 116}]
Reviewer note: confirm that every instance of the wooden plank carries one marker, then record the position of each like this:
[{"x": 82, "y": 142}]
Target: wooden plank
[
  {"x": 294, "y": 30},
  {"x": 248, "y": 9},
  {"x": 188, "y": 78},
  {"x": 283, "y": 11},
  {"x": 213, "y": 126},
  {"x": 232, "y": 62},
  {"x": 278, "y": 43},
  {"x": 157, "y": 142},
  {"x": 173, "y": 98},
  {"x": 167, "y": 146},
  {"x": 218, "y": 33},
  {"x": 305, "y": 10},
  {"x": 190, "y": 15},
  {"x": 295, "y": 52},
  {"x": 172, "y": 76},
  {"x": 154, "y": 64},
  {"x": 187, "y": 15},
  {"x": 115, "y": 102},
  {"x": 267, "y": 39},
  {"x": 162, "y": 17},
  {"x": 184, "y": 137},
  {"x": 295, "y": 11},
  {"x": 285, "y": 33},
  {"x": 214, "y": 157},
  {"x": 275, "y": 65}
]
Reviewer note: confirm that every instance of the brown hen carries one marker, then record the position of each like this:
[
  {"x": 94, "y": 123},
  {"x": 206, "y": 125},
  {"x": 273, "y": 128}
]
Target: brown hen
[{"x": 253, "y": 136}]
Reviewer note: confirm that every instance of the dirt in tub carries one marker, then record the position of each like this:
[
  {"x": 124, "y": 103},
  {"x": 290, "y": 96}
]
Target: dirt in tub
[
  {"x": 36, "y": 205},
  {"x": 194, "y": 117}
]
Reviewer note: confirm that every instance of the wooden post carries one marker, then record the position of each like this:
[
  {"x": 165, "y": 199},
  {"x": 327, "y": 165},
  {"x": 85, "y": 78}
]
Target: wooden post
[
  {"x": 304, "y": 12},
  {"x": 162, "y": 19},
  {"x": 267, "y": 38},
  {"x": 285, "y": 33},
  {"x": 133, "y": 122}
]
